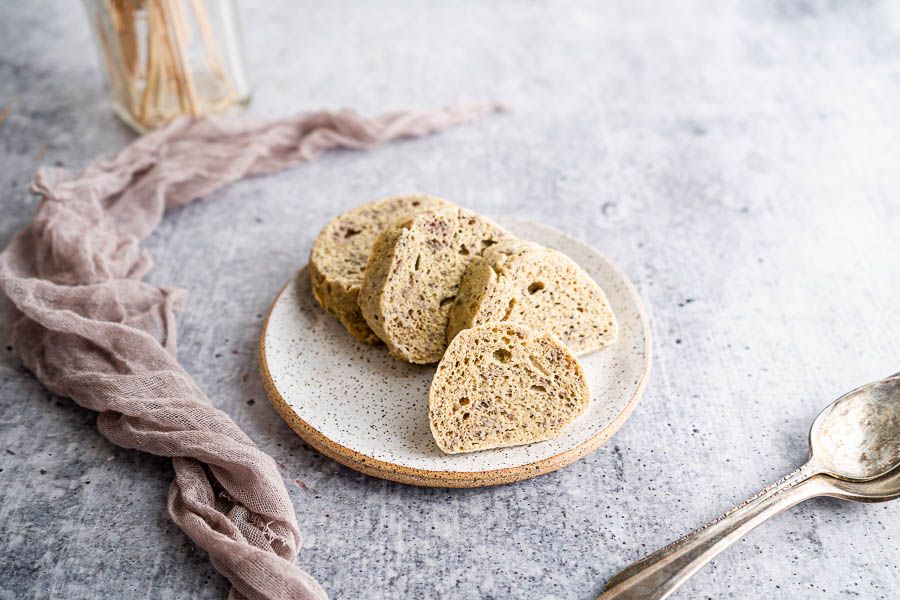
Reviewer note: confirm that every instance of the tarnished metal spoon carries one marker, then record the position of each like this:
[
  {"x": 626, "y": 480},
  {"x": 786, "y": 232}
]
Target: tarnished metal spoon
[{"x": 854, "y": 454}]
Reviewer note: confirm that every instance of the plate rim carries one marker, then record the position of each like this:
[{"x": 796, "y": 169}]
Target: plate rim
[{"x": 456, "y": 479}]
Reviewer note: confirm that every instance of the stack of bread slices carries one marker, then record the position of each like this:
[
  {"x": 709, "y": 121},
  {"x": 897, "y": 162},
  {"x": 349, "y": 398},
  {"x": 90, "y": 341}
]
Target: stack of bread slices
[{"x": 503, "y": 317}]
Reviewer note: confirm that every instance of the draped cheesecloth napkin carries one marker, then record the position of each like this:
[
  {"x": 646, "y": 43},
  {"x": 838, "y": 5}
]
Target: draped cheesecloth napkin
[{"x": 85, "y": 324}]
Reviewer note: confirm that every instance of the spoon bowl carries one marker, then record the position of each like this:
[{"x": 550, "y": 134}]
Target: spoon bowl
[
  {"x": 857, "y": 437},
  {"x": 876, "y": 490}
]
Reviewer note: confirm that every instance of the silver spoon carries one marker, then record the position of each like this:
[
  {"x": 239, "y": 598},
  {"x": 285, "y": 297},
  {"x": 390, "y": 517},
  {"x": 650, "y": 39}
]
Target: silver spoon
[{"x": 854, "y": 454}]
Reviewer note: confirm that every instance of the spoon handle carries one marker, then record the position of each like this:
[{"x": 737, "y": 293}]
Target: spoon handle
[{"x": 658, "y": 575}]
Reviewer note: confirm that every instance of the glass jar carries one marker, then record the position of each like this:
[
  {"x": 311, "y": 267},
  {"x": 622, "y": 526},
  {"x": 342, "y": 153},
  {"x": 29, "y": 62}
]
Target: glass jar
[{"x": 167, "y": 58}]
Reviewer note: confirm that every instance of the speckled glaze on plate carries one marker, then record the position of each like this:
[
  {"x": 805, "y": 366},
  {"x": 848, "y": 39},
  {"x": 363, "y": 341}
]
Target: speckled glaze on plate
[{"x": 363, "y": 408}]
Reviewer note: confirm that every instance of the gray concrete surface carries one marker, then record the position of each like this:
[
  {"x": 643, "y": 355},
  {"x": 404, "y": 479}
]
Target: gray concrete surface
[{"x": 738, "y": 160}]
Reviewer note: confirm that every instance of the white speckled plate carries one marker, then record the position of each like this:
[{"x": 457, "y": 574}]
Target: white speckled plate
[{"x": 361, "y": 407}]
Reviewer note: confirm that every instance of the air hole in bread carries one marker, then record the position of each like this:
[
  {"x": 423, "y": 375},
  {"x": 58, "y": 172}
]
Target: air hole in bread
[
  {"x": 509, "y": 309},
  {"x": 466, "y": 416},
  {"x": 447, "y": 301},
  {"x": 416, "y": 203},
  {"x": 463, "y": 401},
  {"x": 487, "y": 243},
  {"x": 418, "y": 262},
  {"x": 535, "y": 287},
  {"x": 538, "y": 365},
  {"x": 503, "y": 355},
  {"x": 349, "y": 232},
  {"x": 463, "y": 250},
  {"x": 539, "y": 388}
]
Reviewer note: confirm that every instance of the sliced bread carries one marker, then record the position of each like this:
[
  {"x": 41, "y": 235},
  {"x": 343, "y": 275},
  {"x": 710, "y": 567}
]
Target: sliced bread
[
  {"x": 412, "y": 277},
  {"x": 521, "y": 282},
  {"x": 341, "y": 251},
  {"x": 504, "y": 385}
]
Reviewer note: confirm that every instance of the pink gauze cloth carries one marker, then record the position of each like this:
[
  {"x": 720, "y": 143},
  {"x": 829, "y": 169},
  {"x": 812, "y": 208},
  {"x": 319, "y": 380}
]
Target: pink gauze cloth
[{"x": 85, "y": 324}]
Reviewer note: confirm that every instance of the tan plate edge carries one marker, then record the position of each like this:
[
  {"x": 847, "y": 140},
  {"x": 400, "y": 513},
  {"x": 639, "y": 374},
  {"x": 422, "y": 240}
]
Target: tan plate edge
[{"x": 451, "y": 479}]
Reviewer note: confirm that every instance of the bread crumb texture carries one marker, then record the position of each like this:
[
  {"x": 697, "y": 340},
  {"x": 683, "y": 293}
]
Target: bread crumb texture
[
  {"x": 521, "y": 282},
  {"x": 502, "y": 385},
  {"x": 413, "y": 276},
  {"x": 341, "y": 251}
]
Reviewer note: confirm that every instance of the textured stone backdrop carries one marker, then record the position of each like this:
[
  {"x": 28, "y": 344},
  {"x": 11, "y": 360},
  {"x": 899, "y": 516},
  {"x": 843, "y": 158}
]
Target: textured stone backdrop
[{"x": 741, "y": 161}]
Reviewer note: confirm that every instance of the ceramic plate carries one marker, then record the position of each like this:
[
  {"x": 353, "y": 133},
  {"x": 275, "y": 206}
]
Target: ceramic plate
[{"x": 361, "y": 407}]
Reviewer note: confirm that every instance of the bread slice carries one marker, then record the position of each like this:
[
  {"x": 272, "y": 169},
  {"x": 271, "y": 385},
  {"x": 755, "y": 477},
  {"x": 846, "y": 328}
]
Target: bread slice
[
  {"x": 341, "y": 251},
  {"x": 521, "y": 282},
  {"x": 412, "y": 278},
  {"x": 503, "y": 385}
]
